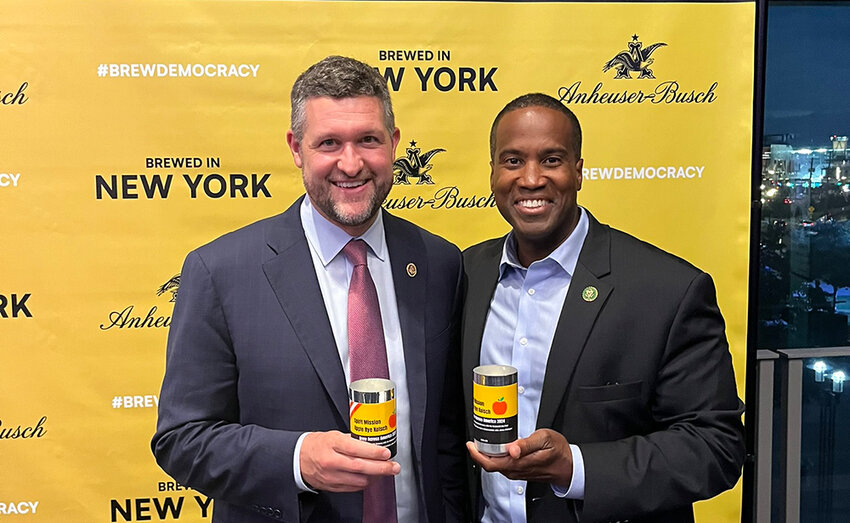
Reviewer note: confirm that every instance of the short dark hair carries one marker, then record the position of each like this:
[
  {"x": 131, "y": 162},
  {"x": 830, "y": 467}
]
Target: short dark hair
[
  {"x": 538, "y": 100},
  {"x": 338, "y": 77}
]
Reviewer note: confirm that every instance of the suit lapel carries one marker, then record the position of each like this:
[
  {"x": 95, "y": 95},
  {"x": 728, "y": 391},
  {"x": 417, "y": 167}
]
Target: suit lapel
[
  {"x": 482, "y": 275},
  {"x": 577, "y": 318},
  {"x": 293, "y": 278},
  {"x": 406, "y": 247}
]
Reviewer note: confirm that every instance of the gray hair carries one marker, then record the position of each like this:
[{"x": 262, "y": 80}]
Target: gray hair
[
  {"x": 538, "y": 100},
  {"x": 338, "y": 77}
]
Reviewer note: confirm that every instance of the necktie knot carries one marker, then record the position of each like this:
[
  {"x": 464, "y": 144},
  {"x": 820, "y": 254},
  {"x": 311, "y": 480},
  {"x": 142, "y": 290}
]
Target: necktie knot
[{"x": 355, "y": 251}]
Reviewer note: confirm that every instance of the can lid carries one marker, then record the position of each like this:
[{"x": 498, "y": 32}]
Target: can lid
[
  {"x": 494, "y": 370},
  {"x": 494, "y": 375},
  {"x": 372, "y": 385},
  {"x": 371, "y": 390}
]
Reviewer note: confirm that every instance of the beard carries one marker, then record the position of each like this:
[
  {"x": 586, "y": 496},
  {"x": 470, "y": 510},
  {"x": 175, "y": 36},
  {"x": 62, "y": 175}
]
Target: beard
[{"x": 348, "y": 213}]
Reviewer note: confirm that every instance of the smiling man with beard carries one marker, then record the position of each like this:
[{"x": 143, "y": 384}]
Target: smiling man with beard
[
  {"x": 627, "y": 405},
  {"x": 267, "y": 334}
]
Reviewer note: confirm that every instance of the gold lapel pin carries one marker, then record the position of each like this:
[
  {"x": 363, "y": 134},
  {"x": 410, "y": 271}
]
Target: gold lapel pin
[
  {"x": 589, "y": 293},
  {"x": 411, "y": 270}
]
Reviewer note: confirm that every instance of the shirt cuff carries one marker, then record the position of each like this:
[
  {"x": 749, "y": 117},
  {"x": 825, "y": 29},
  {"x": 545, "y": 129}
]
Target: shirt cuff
[
  {"x": 576, "y": 490},
  {"x": 296, "y": 466}
]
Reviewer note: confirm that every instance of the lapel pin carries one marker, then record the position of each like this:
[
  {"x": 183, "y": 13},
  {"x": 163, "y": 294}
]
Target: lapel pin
[
  {"x": 411, "y": 270},
  {"x": 589, "y": 293}
]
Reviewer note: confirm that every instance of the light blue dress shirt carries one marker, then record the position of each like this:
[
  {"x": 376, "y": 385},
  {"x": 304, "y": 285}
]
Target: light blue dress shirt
[
  {"x": 519, "y": 330},
  {"x": 333, "y": 270}
]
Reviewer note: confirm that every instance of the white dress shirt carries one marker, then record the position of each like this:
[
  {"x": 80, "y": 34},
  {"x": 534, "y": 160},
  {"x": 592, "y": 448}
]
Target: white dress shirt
[
  {"x": 520, "y": 326},
  {"x": 333, "y": 270}
]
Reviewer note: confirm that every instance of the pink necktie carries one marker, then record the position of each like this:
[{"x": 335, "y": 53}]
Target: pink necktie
[{"x": 367, "y": 358}]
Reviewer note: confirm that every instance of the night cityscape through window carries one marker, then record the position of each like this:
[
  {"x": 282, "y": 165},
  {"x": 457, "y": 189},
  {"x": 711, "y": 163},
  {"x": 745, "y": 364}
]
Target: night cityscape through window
[
  {"x": 804, "y": 259},
  {"x": 804, "y": 280}
]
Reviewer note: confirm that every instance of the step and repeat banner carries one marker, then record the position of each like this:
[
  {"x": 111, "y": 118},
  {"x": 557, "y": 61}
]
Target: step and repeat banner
[{"x": 133, "y": 132}]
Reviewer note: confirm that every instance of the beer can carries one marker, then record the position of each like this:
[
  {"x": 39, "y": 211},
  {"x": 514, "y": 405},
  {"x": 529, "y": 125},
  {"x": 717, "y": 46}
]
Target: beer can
[
  {"x": 372, "y": 413},
  {"x": 494, "y": 408}
]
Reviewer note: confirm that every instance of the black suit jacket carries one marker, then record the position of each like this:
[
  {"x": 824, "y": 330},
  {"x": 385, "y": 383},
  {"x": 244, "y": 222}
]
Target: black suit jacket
[
  {"x": 252, "y": 364},
  {"x": 640, "y": 378}
]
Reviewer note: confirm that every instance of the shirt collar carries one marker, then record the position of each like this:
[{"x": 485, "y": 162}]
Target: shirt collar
[
  {"x": 327, "y": 239},
  {"x": 565, "y": 255}
]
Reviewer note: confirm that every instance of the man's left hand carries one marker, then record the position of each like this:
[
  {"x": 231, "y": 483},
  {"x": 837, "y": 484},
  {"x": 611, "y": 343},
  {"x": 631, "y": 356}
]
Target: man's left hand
[{"x": 543, "y": 456}]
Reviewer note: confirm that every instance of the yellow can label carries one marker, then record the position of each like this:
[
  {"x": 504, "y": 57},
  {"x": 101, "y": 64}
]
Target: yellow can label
[
  {"x": 494, "y": 402},
  {"x": 374, "y": 423},
  {"x": 494, "y": 413}
]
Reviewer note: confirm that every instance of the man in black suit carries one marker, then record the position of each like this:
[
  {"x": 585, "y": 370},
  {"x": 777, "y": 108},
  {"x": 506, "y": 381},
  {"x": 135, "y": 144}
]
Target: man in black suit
[
  {"x": 627, "y": 402},
  {"x": 254, "y": 406}
]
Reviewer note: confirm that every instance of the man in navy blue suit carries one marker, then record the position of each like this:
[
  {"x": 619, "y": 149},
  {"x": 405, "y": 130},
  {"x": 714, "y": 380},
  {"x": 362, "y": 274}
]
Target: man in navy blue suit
[{"x": 254, "y": 407}]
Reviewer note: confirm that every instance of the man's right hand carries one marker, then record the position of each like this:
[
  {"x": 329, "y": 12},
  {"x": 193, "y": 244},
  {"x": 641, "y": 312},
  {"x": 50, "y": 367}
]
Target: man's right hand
[
  {"x": 336, "y": 462},
  {"x": 543, "y": 456}
]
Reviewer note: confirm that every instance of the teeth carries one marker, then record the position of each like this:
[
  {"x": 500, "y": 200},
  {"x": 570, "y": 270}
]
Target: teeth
[
  {"x": 531, "y": 204},
  {"x": 349, "y": 185}
]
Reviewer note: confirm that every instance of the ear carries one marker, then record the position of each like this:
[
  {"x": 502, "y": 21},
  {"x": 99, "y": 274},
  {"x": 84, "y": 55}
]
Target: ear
[
  {"x": 579, "y": 170},
  {"x": 396, "y": 138},
  {"x": 295, "y": 148},
  {"x": 492, "y": 176}
]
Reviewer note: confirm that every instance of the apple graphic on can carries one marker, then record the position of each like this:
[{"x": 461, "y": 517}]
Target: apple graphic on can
[{"x": 500, "y": 406}]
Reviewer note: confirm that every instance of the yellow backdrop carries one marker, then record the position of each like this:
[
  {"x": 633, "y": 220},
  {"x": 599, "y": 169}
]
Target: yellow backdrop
[{"x": 133, "y": 132}]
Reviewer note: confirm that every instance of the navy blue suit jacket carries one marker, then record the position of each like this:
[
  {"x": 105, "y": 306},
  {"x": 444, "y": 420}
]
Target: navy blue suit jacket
[{"x": 252, "y": 364}]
